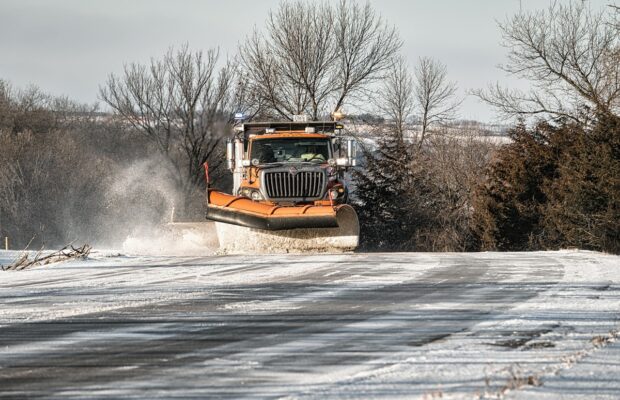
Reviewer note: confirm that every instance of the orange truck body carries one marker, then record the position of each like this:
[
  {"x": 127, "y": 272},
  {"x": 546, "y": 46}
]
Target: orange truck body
[{"x": 287, "y": 176}]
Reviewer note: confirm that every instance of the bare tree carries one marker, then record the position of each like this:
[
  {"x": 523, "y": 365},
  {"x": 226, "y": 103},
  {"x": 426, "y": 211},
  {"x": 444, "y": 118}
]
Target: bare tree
[
  {"x": 456, "y": 164},
  {"x": 569, "y": 53},
  {"x": 313, "y": 58},
  {"x": 396, "y": 100},
  {"x": 434, "y": 95},
  {"x": 426, "y": 93},
  {"x": 182, "y": 103},
  {"x": 30, "y": 109},
  {"x": 366, "y": 46},
  {"x": 290, "y": 67}
]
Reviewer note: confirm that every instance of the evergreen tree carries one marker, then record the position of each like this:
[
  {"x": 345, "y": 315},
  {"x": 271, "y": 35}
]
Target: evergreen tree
[
  {"x": 508, "y": 206},
  {"x": 391, "y": 195},
  {"x": 584, "y": 200},
  {"x": 552, "y": 188}
]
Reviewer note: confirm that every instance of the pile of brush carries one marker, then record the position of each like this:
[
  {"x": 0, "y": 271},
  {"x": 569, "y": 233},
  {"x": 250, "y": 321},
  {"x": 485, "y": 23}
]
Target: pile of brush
[{"x": 66, "y": 253}]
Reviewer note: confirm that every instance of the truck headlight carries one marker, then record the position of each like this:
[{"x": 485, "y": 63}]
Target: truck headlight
[
  {"x": 256, "y": 196},
  {"x": 333, "y": 193}
]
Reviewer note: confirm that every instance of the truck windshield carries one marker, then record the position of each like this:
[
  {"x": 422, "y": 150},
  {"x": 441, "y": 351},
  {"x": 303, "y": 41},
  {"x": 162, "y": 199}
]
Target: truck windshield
[{"x": 290, "y": 150}]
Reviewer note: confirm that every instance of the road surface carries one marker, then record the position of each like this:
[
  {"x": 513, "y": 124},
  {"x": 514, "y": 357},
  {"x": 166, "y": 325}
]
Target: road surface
[{"x": 401, "y": 325}]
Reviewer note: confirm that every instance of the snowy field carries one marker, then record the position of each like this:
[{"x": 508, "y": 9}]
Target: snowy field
[{"x": 401, "y": 325}]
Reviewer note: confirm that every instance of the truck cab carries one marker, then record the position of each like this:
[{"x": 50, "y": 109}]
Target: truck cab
[{"x": 291, "y": 163}]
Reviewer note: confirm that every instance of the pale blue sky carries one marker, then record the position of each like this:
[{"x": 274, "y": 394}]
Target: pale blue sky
[{"x": 69, "y": 47}]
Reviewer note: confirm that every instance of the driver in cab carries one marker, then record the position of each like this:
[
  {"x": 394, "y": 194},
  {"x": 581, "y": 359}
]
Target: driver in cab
[{"x": 312, "y": 153}]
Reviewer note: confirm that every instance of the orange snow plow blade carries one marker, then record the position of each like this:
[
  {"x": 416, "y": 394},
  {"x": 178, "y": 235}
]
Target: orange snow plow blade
[
  {"x": 248, "y": 227},
  {"x": 242, "y": 211}
]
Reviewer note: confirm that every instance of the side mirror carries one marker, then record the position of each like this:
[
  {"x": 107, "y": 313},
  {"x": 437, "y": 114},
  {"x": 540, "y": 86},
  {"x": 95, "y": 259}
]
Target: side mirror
[
  {"x": 230, "y": 155},
  {"x": 351, "y": 152}
]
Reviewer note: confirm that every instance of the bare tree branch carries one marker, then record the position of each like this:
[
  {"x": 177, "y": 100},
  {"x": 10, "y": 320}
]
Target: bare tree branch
[
  {"x": 183, "y": 103},
  {"x": 569, "y": 53},
  {"x": 396, "y": 98},
  {"x": 434, "y": 95},
  {"x": 314, "y": 57}
]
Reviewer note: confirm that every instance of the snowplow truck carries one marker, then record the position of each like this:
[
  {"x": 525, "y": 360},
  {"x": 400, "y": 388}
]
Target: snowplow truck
[{"x": 289, "y": 191}]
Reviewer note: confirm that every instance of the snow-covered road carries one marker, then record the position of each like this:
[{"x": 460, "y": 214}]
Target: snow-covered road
[{"x": 399, "y": 325}]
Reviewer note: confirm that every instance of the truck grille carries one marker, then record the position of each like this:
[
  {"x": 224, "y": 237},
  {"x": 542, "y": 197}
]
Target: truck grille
[{"x": 299, "y": 185}]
